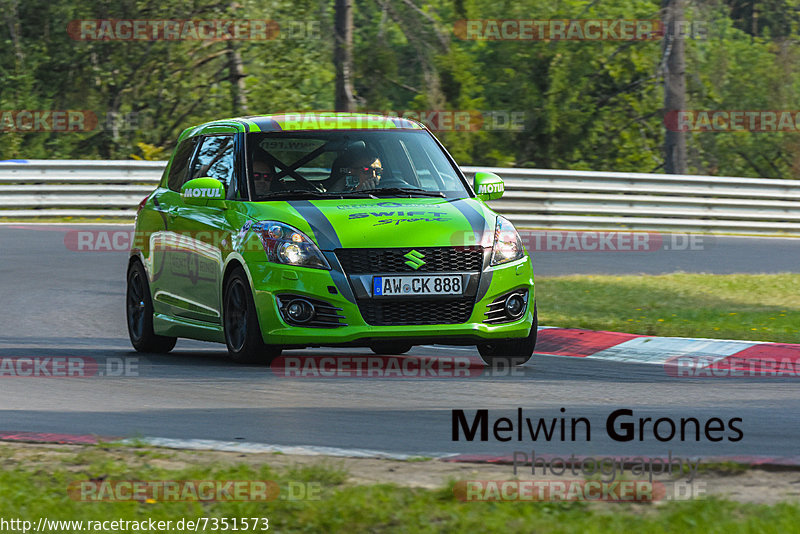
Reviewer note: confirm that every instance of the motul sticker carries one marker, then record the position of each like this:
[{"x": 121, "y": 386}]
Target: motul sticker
[
  {"x": 491, "y": 188},
  {"x": 205, "y": 192}
]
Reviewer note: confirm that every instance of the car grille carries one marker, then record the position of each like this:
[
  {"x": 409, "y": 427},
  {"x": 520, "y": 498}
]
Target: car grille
[
  {"x": 392, "y": 260},
  {"x": 387, "y": 312}
]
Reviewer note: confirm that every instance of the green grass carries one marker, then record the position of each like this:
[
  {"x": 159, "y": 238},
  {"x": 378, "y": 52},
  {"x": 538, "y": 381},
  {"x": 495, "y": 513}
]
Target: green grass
[
  {"x": 29, "y": 492},
  {"x": 759, "y": 307}
]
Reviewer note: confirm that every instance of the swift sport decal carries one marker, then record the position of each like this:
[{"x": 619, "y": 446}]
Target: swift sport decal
[
  {"x": 400, "y": 213},
  {"x": 401, "y": 216},
  {"x": 388, "y": 213},
  {"x": 412, "y": 219}
]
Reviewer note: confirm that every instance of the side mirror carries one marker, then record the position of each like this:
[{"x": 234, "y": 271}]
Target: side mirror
[
  {"x": 488, "y": 186},
  {"x": 203, "y": 192}
]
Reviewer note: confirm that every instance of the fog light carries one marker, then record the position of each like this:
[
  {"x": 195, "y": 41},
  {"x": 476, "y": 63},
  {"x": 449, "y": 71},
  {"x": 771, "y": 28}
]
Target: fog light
[
  {"x": 300, "y": 311},
  {"x": 515, "y": 305}
]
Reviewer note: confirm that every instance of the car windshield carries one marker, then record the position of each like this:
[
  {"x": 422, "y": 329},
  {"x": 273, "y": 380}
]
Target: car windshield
[{"x": 383, "y": 164}]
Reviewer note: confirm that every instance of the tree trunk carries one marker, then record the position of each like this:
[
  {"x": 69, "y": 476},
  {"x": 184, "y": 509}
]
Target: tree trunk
[
  {"x": 236, "y": 76},
  {"x": 344, "y": 99},
  {"x": 13, "y": 23},
  {"x": 674, "y": 85}
]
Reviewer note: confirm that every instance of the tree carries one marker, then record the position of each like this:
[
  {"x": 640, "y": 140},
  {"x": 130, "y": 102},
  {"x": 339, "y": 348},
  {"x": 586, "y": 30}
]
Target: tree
[
  {"x": 674, "y": 65},
  {"x": 343, "y": 55}
]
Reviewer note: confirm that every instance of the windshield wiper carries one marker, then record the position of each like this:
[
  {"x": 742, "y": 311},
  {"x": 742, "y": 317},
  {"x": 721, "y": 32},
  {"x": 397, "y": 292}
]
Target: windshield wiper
[{"x": 404, "y": 191}]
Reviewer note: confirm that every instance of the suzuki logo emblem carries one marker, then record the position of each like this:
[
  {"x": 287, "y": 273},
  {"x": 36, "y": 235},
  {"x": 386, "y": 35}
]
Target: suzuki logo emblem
[{"x": 415, "y": 260}]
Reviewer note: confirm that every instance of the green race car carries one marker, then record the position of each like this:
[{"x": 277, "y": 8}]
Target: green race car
[{"x": 326, "y": 229}]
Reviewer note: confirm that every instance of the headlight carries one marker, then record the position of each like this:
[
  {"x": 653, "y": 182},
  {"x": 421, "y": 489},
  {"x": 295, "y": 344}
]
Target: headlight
[
  {"x": 289, "y": 246},
  {"x": 507, "y": 244}
]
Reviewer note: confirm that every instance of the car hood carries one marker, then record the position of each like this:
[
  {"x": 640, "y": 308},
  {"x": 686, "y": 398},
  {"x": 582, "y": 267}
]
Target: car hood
[{"x": 384, "y": 223}]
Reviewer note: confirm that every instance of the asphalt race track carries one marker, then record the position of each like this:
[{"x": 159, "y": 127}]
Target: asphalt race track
[{"x": 58, "y": 302}]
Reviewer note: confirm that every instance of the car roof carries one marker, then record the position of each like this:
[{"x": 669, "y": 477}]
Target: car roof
[{"x": 304, "y": 121}]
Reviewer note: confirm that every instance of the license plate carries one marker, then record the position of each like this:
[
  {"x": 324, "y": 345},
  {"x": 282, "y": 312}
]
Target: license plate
[{"x": 417, "y": 285}]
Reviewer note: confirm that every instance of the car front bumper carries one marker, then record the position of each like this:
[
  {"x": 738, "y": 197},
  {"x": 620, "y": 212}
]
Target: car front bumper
[{"x": 271, "y": 280}]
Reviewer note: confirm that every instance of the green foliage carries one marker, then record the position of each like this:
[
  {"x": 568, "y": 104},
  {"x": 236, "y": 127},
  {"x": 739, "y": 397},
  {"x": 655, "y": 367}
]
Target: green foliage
[
  {"x": 584, "y": 104},
  {"x": 150, "y": 152}
]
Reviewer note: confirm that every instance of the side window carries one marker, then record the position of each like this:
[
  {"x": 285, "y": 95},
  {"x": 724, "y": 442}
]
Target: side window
[
  {"x": 215, "y": 160},
  {"x": 180, "y": 164}
]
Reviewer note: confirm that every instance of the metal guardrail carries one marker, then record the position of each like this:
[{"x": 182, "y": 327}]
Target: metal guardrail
[
  {"x": 534, "y": 198},
  {"x": 75, "y": 188}
]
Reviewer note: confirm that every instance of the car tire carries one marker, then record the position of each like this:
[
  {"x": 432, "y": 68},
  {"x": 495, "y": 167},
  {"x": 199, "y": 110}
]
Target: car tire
[
  {"x": 240, "y": 323},
  {"x": 139, "y": 313},
  {"x": 509, "y": 352},
  {"x": 391, "y": 348}
]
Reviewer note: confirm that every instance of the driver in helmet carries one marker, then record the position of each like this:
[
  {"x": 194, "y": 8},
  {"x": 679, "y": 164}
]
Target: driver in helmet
[{"x": 356, "y": 170}]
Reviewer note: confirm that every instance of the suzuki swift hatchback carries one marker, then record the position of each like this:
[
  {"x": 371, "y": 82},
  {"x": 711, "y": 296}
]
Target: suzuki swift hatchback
[{"x": 326, "y": 229}]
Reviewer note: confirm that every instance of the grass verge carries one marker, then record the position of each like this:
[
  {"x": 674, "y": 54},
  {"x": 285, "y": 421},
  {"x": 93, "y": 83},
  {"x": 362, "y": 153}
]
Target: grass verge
[
  {"x": 35, "y": 489},
  {"x": 759, "y": 307}
]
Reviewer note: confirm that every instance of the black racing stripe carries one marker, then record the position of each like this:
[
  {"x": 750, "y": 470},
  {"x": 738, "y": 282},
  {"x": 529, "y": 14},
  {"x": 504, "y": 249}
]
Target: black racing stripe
[
  {"x": 266, "y": 124},
  {"x": 339, "y": 278},
  {"x": 327, "y": 240},
  {"x": 486, "y": 276},
  {"x": 483, "y": 286},
  {"x": 479, "y": 226},
  {"x": 320, "y": 225},
  {"x": 476, "y": 220}
]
